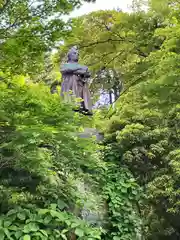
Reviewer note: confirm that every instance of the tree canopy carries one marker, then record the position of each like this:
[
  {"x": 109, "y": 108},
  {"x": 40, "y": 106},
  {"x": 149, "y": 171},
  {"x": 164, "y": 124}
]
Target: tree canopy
[{"x": 28, "y": 29}]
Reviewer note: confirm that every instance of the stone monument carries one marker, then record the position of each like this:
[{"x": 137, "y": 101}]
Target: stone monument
[{"x": 75, "y": 83}]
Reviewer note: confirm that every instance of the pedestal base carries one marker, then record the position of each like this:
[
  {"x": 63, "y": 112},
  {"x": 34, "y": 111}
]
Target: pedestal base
[{"x": 83, "y": 111}]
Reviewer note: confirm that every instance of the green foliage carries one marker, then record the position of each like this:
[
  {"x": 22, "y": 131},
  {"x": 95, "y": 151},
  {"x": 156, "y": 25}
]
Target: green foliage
[
  {"x": 41, "y": 158},
  {"x": 143, "y": 134},
  {"x": 28, "y": 30},
  {"x": 122, "y": 194},
  {"x": 51, "y": 223},
  {"x": 118, "y": 42},
  {"x": 34, "y": 118}
]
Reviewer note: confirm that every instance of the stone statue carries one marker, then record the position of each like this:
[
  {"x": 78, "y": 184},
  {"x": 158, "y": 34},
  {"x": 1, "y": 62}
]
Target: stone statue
[{"x": 75, "y": 81}]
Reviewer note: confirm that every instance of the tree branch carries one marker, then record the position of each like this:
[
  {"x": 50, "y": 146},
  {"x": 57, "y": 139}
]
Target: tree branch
[
  {"x": 100, "y": 42},
  {"x": 109, "y": 40}
]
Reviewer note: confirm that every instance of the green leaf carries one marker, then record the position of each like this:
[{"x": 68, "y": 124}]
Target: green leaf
[
  {"x": 18, "y": 234},
  {"x": 39, "y": 234},
  {"x": 79, "y": 232},
  {"x": 13, "y": 228},
  {"x": 124, "y": 190},
  {"x": 61, "y": 204},
  {"x": 43, "y": 211},
  {"x": 68, "y": 222},
  {"x": 134, "y": 192},
  {"x": 8, "y": 234},
  {"x": 74, "y": 225},
  {"x": 44, "y": 233},
  {"x": 1, "y": 222},
  {"x": 63, "y": 236},
  {"x": 57, "y": 214},
  {"x": 47, "y": 219},
  {"x": 27, "y": 237},
  {"x": 2, "y": 235},
  {"x": 31, "y": 227},
  {"x": 7, "y": 223},
  {"x": 11, "y": 212},
  {"x": 116, "y": 238},
  {"x": 53, "y": 206},
  {"x": 21, "y": 216}
]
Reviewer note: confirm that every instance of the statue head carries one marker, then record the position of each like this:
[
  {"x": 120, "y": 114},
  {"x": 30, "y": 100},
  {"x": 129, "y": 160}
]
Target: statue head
[{"x": 73, "y": 55}]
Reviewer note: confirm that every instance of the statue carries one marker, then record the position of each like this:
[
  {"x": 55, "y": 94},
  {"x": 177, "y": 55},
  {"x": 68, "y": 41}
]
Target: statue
[{"x": 75, "y": 81}]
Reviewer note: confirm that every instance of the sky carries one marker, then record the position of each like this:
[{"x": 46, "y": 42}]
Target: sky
[{"x": 102, "y": 5}]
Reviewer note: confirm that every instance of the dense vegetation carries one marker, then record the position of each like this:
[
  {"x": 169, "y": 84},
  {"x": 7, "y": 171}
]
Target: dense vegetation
[{"x": 135, "y": 171}]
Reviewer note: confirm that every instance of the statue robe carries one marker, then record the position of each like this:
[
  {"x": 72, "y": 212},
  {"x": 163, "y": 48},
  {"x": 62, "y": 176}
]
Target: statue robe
[{"x": 74, "y": 83}]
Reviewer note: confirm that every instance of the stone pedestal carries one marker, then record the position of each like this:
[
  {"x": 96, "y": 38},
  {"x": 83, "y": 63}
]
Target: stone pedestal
[{"x": 90, "y": 132}]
